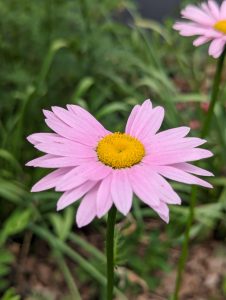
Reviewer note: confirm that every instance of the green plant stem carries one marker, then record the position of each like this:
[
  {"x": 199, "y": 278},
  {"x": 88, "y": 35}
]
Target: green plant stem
[
  {"x": 214, "y": 95},
  {"x": 110, "y": 251},
  {"x": 75, "y": 238},
  {"x": 204, "y": 133},
  {"x": 67, "y": 275}
]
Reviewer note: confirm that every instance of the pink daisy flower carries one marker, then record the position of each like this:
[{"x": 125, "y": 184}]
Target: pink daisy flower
[
  {"x": 208, "y": 22},
  {"x": 105, "y": 168}
]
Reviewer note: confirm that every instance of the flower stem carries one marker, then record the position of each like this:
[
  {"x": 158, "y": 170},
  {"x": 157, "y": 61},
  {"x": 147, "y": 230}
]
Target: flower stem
[
  {"x": 110, "y": 251},
  {"x": 204, "y": 133},
  {"x": 214, "y": 95}
]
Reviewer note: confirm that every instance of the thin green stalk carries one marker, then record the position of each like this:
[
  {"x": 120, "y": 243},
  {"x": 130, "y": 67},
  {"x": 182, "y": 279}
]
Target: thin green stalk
[
  {"x": 67, "y": 275},
  {"x": 85, "y": 14},
  {"x": 204, "y": 133},
  {"x": 214, "y": 95},
  {"x": 110, "y": 251},
  {"x": 86, "y": 245},
  {"x": 184, "y": 251}
]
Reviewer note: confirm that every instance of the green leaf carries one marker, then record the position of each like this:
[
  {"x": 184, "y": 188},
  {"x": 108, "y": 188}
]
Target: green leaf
[
  {"x": 6, "y": 257},
  {"x": 15, "y": 223},
  {"x": 87, "y": 246},
  {"x": 110, "y": 108},
  {"x": 190, "y": 97},
  {"x": 4, "y": 270},
  {"x": 154, "y": 26},
  {"x": 218, "y": 181},
  {"x": 58, "y": 44},
  {"x": 10, "y": 294},
  {"x": 224, "y": 286},
  {"x": 11, "y": 191},
  {"x": 4, "y": 283},
  {"x": 6, "y": 155},
  {"x": 83, "y": 86},
  {"x": 62, "y": 224},
  {"x": 120, "y": 251}
]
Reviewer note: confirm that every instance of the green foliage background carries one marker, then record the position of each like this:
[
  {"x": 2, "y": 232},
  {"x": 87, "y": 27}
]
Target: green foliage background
[{"x": 57, "y": 52}]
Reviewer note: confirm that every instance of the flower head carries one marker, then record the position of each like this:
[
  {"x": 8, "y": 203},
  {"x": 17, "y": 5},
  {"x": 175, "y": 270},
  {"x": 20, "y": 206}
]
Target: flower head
[
  {"x": 208, "y": 21},
  {"x": 105, "y": 168}
]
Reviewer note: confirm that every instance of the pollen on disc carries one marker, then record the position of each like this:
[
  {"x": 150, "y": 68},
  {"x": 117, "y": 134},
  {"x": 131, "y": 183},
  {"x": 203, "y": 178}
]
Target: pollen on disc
[
  {"x": 221, "y": 26},
  {"x": 120, "y": 150}
]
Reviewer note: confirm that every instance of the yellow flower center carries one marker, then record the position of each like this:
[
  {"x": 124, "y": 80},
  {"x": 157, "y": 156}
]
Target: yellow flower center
[
  {"x": 120, "y": 150},
  {"x": 221, "y": 26}
]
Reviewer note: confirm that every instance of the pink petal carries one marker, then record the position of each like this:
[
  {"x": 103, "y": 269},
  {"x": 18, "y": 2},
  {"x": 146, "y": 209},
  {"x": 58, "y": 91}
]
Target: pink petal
[
  {"x": 67, "y": 149},
  {"x": 181, "y": 176},
  {"x": 86, "y": 118},
  {"x": 214, "y": 8},
  {"x": 188, "y": 29},
  {"x": 52, "y": 161},
  {"x": 177, "y": 156},
  {"x": 71, "y": 180},
  {"x": 73, "y": 195},
  {"x": 81, "y": 124},
  {"x": 206, "y": 9},
  {"x": 161, "y": 146},
  {"x": 216, "y": 47},
  {"x": 66, "y": 116},
  {"x": 121, "y": 191},
  {"x": 196, "y": 14},
  {"x": 104, "y": 199},
  {"x": 131, "y": 118},
  {"x": 156, "y": 184},
  {"x": 50, "y": 180},
  {"x": 98, "y": 171},
  {"x": 92, "y": 171},
  {"x": 171, "y": 134},
  {"x": 143, "y": 188},
  {"x": 70, "y": 133},
  {"x": 82, "y": 119},
  {"x": 140, "y": 181},
  {"x": 50, "y": 115},
  {"x": 201, "y": 40},
  {"x": 152, "y": 126},
  {"x": 223, "y": 10},
  {"x": 164, "y": 190},
  {"x": 212, "y": 33},
  {"x": 45, "y": 137},
  {"x": 87, "y": 209},
  {"x": 142, "y": 115},
  {"x": 35, "y": 162},
  {"x": 163, "y": 211},
  {"x": 192, "y": 169},
  {"x": 62, "y": 129}
]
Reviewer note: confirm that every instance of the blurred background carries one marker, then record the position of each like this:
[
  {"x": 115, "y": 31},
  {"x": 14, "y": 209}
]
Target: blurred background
[{"x": 105, "y": 56}]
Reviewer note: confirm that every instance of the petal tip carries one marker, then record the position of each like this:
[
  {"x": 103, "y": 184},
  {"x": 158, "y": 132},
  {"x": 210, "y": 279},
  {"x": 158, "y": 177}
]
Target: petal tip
[
  {"x": 209, "y": 186},
  {"x": 166, "y": 219},
  {"x": 29, "y": 138},
  {"x": 59, "y": 207},
  {"x": 81, "y": 224},
  {"x": 34, "y": 189}
]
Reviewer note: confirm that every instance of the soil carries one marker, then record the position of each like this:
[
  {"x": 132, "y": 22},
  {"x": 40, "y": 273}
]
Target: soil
[{"x": 38, "y": 275}]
